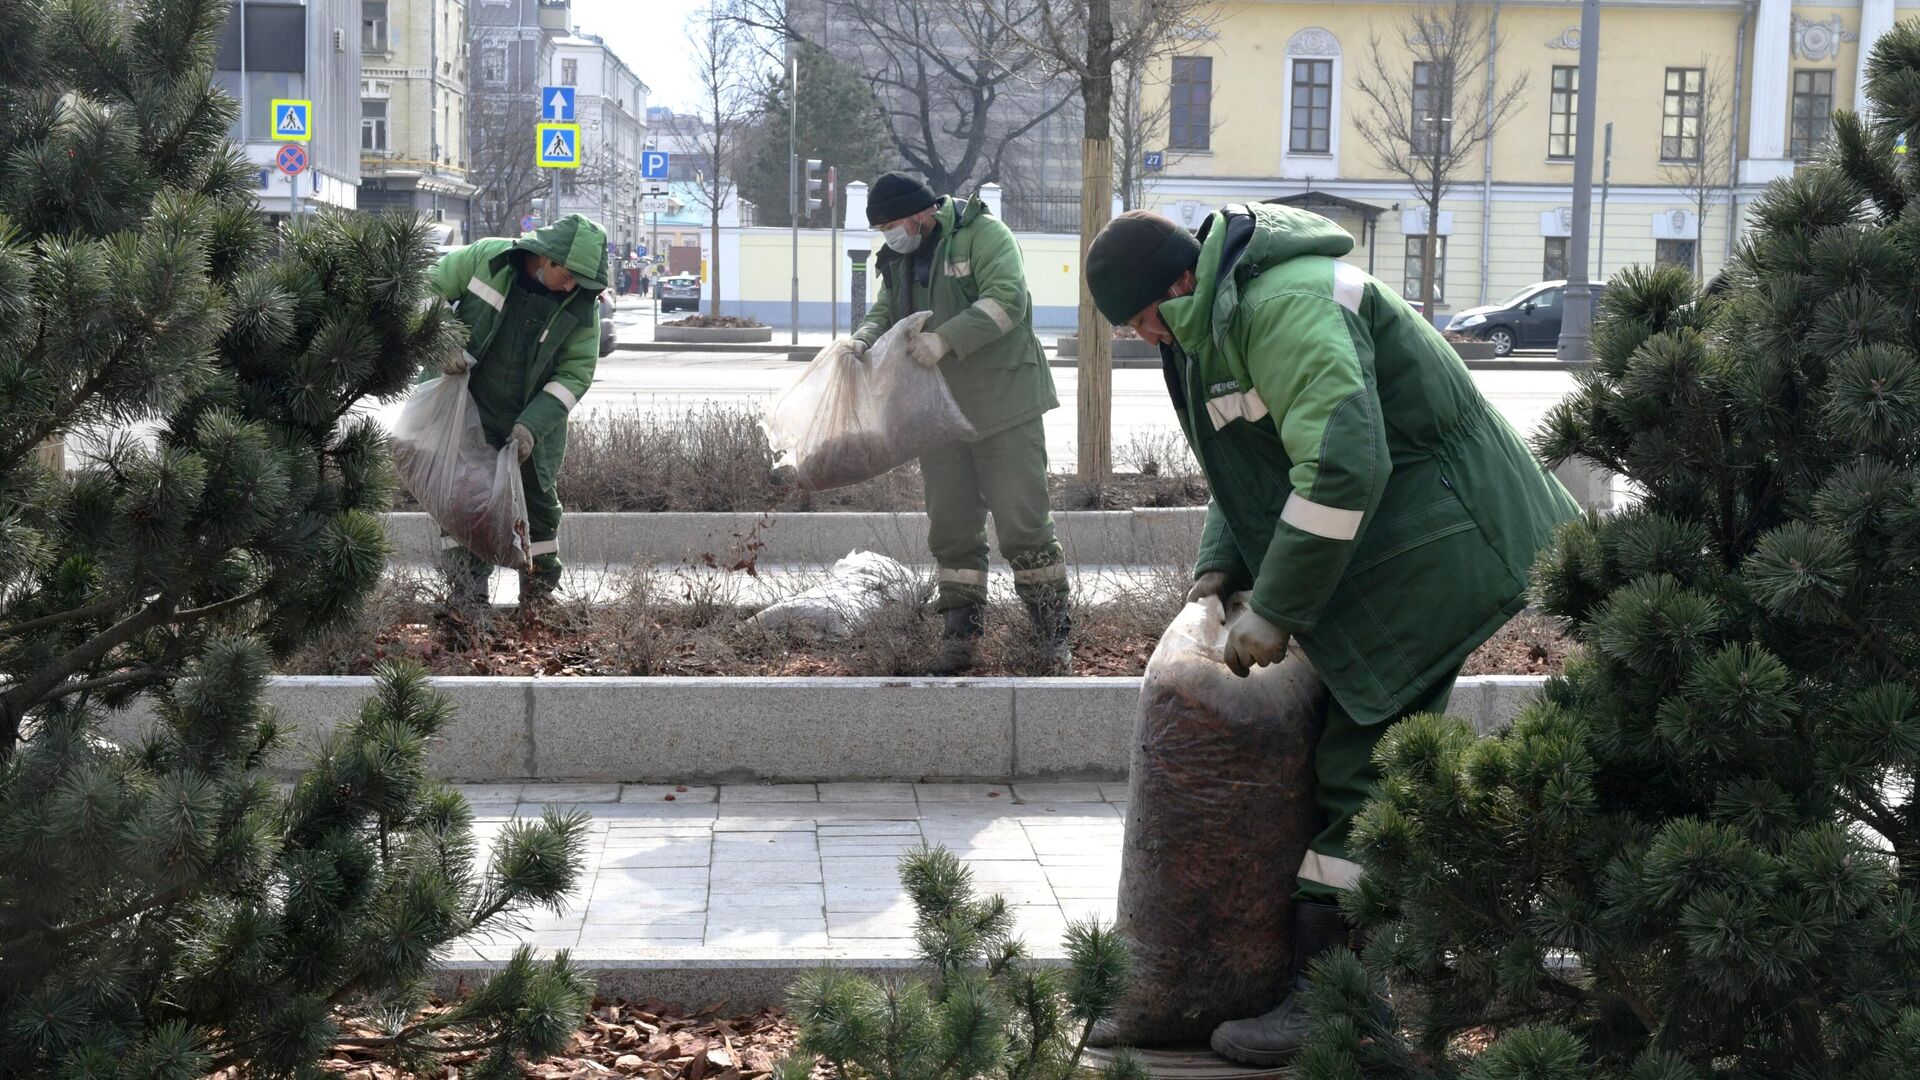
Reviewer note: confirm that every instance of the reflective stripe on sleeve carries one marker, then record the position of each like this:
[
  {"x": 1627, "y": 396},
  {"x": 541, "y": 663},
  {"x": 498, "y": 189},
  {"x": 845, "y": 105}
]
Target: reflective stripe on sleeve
[
  {"x": 963, "y": 577},
  {"x": 1327, "y": 870},
  {"x": 959, "y": 269},
  {"x": 486, "y": 292},
  {"x": 995, "y": 312},
  {"x": 543, "y": 547},
  {"x": 565, "y": 395},
  {"x": 1349, "y": 285},
  {"x": 1325, "y": 522},
  {"x": 1227, "y": 408},
  {"x": 448, "y": 543}
]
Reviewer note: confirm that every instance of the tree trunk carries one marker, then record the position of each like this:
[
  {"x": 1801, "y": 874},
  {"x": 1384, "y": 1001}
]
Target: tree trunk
[
  {"x": 1096, "y": 337},
  {"x": 1429, "y": 246},
  {"x": 713, "y": 254},
  {"x": 1096, "y": 209}
]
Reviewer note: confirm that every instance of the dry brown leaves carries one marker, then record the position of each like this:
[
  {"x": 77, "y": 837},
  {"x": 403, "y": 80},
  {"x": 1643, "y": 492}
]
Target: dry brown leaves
[{"x": 649, "y": 1040}]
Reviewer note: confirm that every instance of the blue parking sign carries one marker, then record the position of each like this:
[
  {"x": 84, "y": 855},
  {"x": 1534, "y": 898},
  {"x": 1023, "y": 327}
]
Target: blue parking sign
[{"x": 653, "y": 165}]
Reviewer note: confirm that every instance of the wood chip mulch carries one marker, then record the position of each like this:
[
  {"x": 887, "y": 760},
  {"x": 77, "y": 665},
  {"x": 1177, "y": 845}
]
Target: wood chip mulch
[{"x": 649, "y": 1040}]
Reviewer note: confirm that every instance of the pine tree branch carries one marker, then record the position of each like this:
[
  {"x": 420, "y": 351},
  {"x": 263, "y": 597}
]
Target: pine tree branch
[
  {"x": 55, "y": 422},
  {"x": 34, "y": 689},
  {"x": 57, "y": 934},
  {"x": 104, "y": 607},
  {"x": 1624, "y": 990},
  {"x": 105, "y": 682}
]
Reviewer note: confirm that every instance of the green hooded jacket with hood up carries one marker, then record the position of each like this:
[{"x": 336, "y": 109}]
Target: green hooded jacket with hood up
[
  {"x": 552, "y": 379},
  {"x": 1373, "y": 501},
  {"x": 981, "y": 309}
]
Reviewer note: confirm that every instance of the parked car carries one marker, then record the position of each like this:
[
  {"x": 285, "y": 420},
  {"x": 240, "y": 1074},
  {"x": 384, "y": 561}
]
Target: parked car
[
  {"x": 1530, "y": 318},
  {"x": 607, "y": 307},
  {"x": 681, "y": 292}
]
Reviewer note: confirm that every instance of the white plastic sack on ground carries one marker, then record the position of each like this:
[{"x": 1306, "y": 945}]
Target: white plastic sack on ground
[
  {"x": 849, "y": 418},
  {"x": 469, "y": 489},
  {"x": 855, "y": 588}
]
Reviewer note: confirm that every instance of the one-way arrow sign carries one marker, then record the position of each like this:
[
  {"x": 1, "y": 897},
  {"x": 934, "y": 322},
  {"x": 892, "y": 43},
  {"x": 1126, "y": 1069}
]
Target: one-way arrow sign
[{"x": 556, "y": 104}]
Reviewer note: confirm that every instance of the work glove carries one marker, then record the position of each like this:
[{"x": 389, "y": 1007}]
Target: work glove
[
  {"x": 454, "y": 364},
  {"x": 522, "y": 442},
  {"x": 1253, "y": 642},
  {"x": 1212, "y": 583},
  {"x": 857, "y": 347},
  {"x": 927, "y": 350}
]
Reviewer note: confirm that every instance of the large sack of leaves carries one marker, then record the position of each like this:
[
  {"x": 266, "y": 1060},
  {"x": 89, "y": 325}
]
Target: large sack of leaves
[
  {"x": 469, "y": 489},
  {"x": 1220, "y": 810},
  {"x": 849, "y": 417}
]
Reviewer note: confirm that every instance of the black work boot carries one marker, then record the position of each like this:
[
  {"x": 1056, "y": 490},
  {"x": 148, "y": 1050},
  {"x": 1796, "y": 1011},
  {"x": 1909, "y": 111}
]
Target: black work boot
[
  {"x": 468, "y": 583},
  {"x": 538, "y": 586},
  {"x": 958, "y": 637},
  {"x": 1053, "y": 622},
  {"x": 1273, "y": 1039}
]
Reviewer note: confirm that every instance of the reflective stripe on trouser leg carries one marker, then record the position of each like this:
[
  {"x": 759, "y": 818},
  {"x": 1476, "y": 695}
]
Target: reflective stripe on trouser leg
[
  {"x": 1344, "y": 778},
  {"x": 956, "y": 525}
]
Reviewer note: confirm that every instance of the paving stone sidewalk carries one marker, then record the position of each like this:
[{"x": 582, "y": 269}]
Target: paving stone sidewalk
[{"x": 806, "y": 871}]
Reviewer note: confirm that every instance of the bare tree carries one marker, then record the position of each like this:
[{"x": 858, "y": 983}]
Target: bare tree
[
  {"x": 956, "y": 87},
  {"x": 1433, "y": 104},
  {"x": 726, "y": 62},
  {"x": 1694, "y": 145},
  {"x": 502, "y": 128},
  {"x": 1086, "y": 40}
]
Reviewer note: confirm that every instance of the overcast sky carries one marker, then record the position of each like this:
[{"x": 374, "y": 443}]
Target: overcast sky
[{"x": 650, "y": 36}]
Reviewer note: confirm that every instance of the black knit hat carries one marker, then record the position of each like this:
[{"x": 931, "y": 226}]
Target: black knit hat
[
  {"x": 896, "y": 195},
  {"x": 1135, "y": 260}
]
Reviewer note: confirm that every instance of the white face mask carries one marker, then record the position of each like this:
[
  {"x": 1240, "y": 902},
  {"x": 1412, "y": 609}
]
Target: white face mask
[{"x": 900, "y": 240}]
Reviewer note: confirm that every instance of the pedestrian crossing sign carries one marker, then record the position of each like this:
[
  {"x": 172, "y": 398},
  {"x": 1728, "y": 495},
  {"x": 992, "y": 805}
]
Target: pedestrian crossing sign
[
  {"x": 292, "y": 119},
  {"x": 558, "y": 146}
]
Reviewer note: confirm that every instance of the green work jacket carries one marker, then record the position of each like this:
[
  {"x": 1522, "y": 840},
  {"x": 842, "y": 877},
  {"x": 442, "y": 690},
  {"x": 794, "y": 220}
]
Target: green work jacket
[
  {"x": 553, "y": 379},
  {"x": 981, "y": 308},
  {"x": 1372, "y": 500}
]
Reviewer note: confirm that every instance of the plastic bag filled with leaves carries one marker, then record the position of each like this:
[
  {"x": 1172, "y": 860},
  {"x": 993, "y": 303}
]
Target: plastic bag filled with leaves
[
  {"x": 470, "y": 489},
  {"x": 1219, "y": 813},
  {"x": 850, "y": 418}
]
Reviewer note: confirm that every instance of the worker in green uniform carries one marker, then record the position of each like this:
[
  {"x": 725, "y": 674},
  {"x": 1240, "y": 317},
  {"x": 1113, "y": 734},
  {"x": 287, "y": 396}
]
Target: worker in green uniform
[
  {"x": 959, "y": 262},
  {"x": 532, "y": 313},
  {"x": 1370, "y": 503}
]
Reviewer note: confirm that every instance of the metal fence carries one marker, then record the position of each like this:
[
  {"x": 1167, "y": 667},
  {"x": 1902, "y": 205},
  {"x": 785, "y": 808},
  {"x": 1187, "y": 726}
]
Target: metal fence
[{"x": 1056, "y": 213}]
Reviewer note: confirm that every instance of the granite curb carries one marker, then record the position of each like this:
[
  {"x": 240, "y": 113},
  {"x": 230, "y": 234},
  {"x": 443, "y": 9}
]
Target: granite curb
[{"x": 790, "y": 730}]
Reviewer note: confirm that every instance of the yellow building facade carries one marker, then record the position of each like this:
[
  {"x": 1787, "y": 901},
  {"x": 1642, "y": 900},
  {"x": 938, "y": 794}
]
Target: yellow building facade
[{"x": 1279, "y": 112}]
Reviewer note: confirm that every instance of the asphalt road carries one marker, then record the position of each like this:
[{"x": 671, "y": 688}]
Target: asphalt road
[{"x": 673, "y": 382}]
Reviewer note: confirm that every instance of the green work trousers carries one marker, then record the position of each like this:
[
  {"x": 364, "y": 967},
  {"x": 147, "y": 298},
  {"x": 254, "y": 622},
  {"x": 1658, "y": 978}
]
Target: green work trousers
[
  {"x": 1344, "y": 777},
  {"x": 1004, "y": 474}
]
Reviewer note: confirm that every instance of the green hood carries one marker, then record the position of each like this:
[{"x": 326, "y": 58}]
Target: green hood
[
  {"x": 576, "y": 243},
  {"x": 1238, "y": 242}
]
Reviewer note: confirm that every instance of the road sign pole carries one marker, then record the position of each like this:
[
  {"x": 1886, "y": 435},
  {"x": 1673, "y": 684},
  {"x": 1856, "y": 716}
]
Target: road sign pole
[
  {"x": 794, "y": 198},
  {"x": 833, "y": 251},
  {"x": 652, "y": 253}
]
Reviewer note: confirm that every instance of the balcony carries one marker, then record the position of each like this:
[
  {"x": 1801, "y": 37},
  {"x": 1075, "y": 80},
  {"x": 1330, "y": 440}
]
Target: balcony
[{"x": 556, "y": 17}]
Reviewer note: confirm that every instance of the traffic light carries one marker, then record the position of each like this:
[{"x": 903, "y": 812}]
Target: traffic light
[{"x": 816, "y": 183}]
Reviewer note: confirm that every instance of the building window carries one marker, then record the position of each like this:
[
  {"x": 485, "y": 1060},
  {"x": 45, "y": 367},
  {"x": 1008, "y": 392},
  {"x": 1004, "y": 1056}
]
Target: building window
[
  {"x": 1312, "y": 106},
  {"x": 373, "y": 126},
  {"x": 373, "y": 26},
  {"x": 1680, "y": 114},
  {"x": 1562, "y": 110},
  {"x": 1190, "y": 109},
  {"x": 493, "y": 65},
  {"x": 569, "y": 73},
  {"x": 1415, "y": 246},
  {"x": 1674, "y": 253},
  {"x": 1554, "y": 268},
  {"x": 1812, "y": 112},
  {"x": 1432, "y": 107}
]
